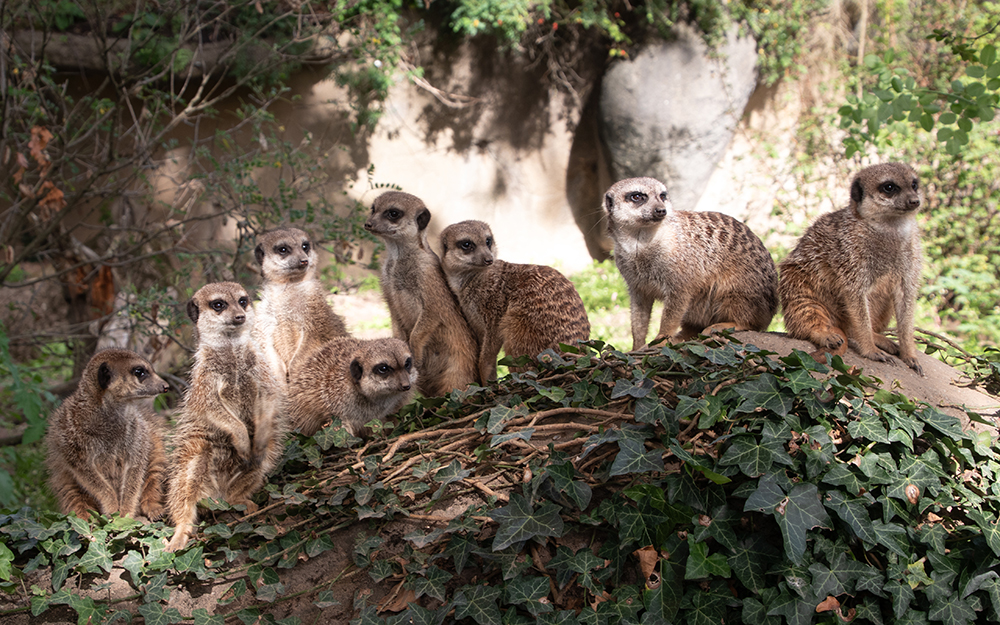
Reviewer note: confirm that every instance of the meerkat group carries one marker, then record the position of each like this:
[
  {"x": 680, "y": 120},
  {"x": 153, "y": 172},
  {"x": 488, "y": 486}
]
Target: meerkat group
[{"x": 286, "y": 362}]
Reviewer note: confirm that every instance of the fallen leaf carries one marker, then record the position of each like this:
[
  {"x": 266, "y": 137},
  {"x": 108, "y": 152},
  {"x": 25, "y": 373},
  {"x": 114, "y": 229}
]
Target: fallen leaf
[
  {"x": 649, "y": 558},
  {"x": 397, "y": 599},
  {"x": 828, "y": 604}
]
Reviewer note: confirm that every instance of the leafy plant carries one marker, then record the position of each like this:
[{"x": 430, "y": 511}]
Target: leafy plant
[{"x": 700, "y": 483}]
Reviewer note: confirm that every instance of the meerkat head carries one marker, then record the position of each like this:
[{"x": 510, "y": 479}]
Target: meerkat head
[
  {"x": 123, "y": 375},
  {"x": 886, "y": 192},
  {"x": 285, "y": 255},
  {"x": 222, "y": 313},
  {"x": 398, "y": 215},
  {"x": 383, "y": 368},
  {"x": 636, "y": 203},
  {"x": 467, "y": 247}
]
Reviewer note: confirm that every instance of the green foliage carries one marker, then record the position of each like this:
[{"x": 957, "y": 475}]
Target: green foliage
[{"x": 802, "y": 488}]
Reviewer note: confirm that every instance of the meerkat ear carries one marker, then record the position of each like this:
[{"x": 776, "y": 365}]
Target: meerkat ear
[
  {"x": 104, "y": 376},
  {"x": 258, "y": 253},
  {"x": 356, "y": 370},
  {"x": 857, "y": 192},
  {"x": 423, "y": 218},
  {"x": 192, "y": 309},
  {"x": 609, "y": 202}
]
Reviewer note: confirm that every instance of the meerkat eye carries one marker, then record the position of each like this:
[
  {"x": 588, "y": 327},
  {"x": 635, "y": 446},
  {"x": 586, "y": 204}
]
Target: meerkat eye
[
  {"x": 218, "y": 305},
  {"x": 140, "y": 373},
  {"x": 663, "y": 196},
  {"x": 489, "y": 241},
  {"x": 637, "y": 197},
  {"x": 382, "y": 369},
  {"x": 282, "y": 250},
  {"x": 392, "y": 214},
  {"x": 914, "y": 185},
  {"x": 305, "y": 247},
  {"x": 467, "y": 245},
  {"x": 244, "y": 302},
  {"x": 408, "y": 364},
  {"x": 889, "y": 188}
]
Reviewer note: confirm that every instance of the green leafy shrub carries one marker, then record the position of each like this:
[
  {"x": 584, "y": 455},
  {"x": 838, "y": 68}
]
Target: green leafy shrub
[{"x": 755, "y": 490}]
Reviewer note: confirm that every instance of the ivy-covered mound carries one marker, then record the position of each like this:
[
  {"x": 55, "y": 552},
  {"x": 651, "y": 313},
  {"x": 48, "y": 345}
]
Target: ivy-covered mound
[{"x": 704, "y": 483}]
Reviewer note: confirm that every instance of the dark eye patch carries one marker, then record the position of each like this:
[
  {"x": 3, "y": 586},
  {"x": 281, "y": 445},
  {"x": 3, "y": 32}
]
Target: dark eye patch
[
  {"x": 141, "y": 373},
  {"x": 218, "y": 305},
  {"x": 637, "y": 197}
]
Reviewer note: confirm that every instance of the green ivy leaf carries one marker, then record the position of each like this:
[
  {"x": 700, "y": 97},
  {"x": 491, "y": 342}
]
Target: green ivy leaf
[
  {"x": 202, "y": 617},
  {"x": 97, "y": 558},
  {"x": 700, "y": 565},
  {"x": 853, "y": 512},
  {"x": 432, "y": 583},
  {"x": 526, "y": 592},
  {"x": 637, "y": 388},
  {"x": 764, "y": 393},
  {"x": 802, "y": 512},
  {"x": 518, "y": 522},
  {"x": 753, "y": 459},
  {"x": 156, "y": 614},
  {"x": 945, "y": 424},
  {"x": 952, "y": 611},
  {"x": 326, "y": 599},
  {"x": 633, "y": 458},
  {"x": 478, "y": 603},
  {"x": 869, "y": 427},
  {"x": 750, "y": 563}
]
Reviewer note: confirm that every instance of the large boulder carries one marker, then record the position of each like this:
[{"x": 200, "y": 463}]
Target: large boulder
[{"x": 670, "y": 112}]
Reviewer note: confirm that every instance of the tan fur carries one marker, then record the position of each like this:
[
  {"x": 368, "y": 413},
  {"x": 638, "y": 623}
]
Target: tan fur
[
  {"x": 525, "y": 309},
  {"x": 230, "y": 433},
  {"x": 354, "y": 380},
  {"x": 710, "y": 270},
  {"x": 424, "y": 311},
  {"x": 293, "y": 316},
  {"x": 105, "y": 442},
  {"x": 855, "y": 268}
]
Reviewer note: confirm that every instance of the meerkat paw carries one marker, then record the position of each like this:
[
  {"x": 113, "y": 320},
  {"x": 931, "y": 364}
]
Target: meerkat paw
[
  {"x": 911, "y": 362},
  {"x": 153, "y": 512},
  {"x": 179, "y": 540},
  {"x": 886, "y": 345}
]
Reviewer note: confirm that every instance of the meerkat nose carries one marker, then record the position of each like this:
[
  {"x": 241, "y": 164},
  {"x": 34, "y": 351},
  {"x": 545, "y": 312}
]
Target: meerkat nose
[
  {"x": 304, "y": 262},
  {"x": 660, "y": 212},
  {"x": 239, "y": 319},
  {"x": 404, "y": 387},
  {"x": 914, "y": 202},
  {"x": 369, "y": 225},
  {"x": 487, "y": 261},
  {"x": 166, "y": 388}
]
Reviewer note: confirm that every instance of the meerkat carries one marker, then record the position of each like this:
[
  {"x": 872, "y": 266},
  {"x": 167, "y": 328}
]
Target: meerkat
[
  {"x": 230, "y": 432},
  {"x": 709, "y": 269},
  {"x": 424, "y": 311},
  {"x": 293, "y": 316},
  {"x": 105, "y": 442},
  {"x": 525, "y": 309},
  {"x": 354, "y": 380},
  {"x": 855, "y": 268}
]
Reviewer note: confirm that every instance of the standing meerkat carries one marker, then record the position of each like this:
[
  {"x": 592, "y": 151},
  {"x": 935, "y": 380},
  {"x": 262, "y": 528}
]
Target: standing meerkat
[
  {"x": 354, "y": 380},
  {"x": 229, "y": 435},
  {"x": 525, "y": 309},
  {"x": 710, "y": 270},
  {"x": 424, "y": 311},
  {"x": 293, "y": 316},
  {"x": 105, "y": 442},
  {"x": 855, "y": 268}
]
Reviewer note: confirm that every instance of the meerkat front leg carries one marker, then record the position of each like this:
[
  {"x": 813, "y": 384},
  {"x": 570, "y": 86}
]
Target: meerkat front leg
[
  {"x": 233, "y": 426},
  {"x": 673, "y": 318},
  {"x": 905, "y": 328},
  {"x": 488, "y": 355},
  {"x": 68, "y": 490},
  {"x": 186, "y": 488},
  {"x": 641, "y": 308},
  {"x": 859, "y": 331},
  {"x": 151, "y": 501}
]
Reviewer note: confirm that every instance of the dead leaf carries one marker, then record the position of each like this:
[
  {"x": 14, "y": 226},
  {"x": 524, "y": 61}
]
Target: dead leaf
[
  {"x": 912, "y": 493},
  {"x": 649, "y": 559},
  {"x": 40, "y": 137},
  {"x": 397, "y": 599},
  {"x": 598, "y": 600},
  {"x": 828, "y": 604},
  {"x": 704, "y": 520},
  {"x": 53, "y": 202}
]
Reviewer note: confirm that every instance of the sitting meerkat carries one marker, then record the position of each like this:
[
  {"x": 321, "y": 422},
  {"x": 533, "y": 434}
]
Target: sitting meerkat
[
  {"x": 525, "y": 309},
  {"x": 855, "y": 268},
  {"x": 424, "y": 311},
  {"x": 230, "y": 433},
  {"x": 354, "y": 380},
  {"x": 293, "y": 316},
  {"x": 709, "y": 269},
  {"x": 105, "y": 442}
]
